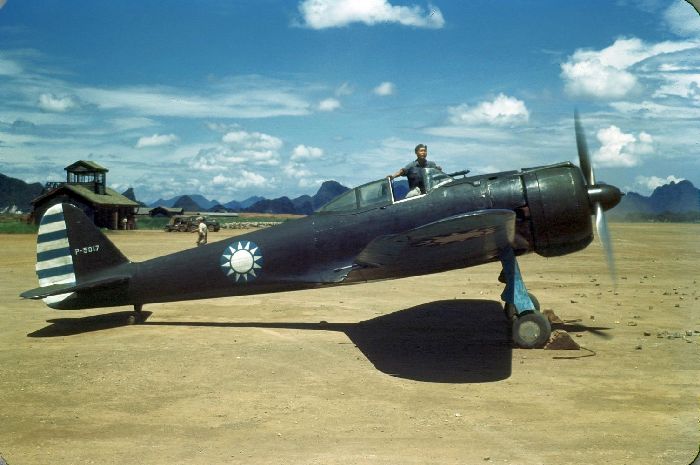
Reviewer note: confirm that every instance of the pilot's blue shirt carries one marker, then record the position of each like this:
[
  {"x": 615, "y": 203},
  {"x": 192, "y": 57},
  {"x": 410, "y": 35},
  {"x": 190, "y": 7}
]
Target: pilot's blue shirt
[
  {"x": 414, "y": 164},
  {"x": 415, "y": 174}
]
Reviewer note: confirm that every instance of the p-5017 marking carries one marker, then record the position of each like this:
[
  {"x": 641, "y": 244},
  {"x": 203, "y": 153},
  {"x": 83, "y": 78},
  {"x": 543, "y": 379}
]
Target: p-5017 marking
[{"x": 89, "y": 249}]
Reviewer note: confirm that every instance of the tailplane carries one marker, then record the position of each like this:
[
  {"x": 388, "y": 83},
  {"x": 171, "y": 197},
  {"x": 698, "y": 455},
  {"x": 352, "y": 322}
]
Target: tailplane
[{"x": 72, "y": 255}]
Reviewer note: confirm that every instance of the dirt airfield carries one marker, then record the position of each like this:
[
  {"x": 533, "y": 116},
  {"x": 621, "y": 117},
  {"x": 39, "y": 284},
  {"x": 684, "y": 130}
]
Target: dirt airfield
[{"x": 413, "y": 371}]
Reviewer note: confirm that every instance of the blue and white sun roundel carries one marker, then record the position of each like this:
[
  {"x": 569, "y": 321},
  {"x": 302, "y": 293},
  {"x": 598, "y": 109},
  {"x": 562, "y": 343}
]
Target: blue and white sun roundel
[{"x": 242, "y": 261}]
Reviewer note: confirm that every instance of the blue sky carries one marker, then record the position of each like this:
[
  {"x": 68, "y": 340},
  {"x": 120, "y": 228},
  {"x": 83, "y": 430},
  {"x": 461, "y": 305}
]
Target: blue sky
[{"x": 232, "y": 99}]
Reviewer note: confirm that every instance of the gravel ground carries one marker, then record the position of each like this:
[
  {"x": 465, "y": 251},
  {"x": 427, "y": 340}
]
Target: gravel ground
[{"x": 412, "y": 371}]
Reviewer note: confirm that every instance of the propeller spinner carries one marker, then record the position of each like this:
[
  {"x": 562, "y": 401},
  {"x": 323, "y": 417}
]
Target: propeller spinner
[{"x": 600, "y": 196}]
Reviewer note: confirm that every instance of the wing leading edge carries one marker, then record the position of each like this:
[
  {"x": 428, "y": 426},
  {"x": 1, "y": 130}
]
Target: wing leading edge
[{"x": 458, "y": 241}]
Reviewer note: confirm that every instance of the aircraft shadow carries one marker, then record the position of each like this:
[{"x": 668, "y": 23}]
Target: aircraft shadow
[
  {"x": 448, "y": 341},
  {"x": 87, "y": 324}
]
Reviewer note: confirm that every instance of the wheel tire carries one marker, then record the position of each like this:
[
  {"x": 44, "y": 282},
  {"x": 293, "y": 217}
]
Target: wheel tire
[
  {"x": 535, "y": 302},
  {"x": 531, "y": 330}
]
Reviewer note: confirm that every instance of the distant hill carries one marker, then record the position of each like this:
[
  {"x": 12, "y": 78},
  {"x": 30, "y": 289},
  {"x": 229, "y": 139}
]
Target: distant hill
[
  {"x": 237, "y": 206},
  {"x": 677, "y": 201},
  {"x": 129, "y": 194},
  {"x": 279, "y": 205},
  {"x": 17, "y": 194},
  {"x": 676, "y": 197},
  {"x": 187, "y": 203},
  {"x": 302, "y": 205},
  {"x": 202, "y": 202},
  {"x": 327, "y": 192}
]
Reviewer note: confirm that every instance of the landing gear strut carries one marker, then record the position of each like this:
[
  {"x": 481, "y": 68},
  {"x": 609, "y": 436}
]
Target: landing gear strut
[
  {"x": 531, "y": 329},
  {"x": 137, "y": 317}
]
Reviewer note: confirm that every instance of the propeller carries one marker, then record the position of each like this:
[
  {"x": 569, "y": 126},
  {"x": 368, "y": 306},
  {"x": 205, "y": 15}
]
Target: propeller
[{"x": 600, "y": 196}]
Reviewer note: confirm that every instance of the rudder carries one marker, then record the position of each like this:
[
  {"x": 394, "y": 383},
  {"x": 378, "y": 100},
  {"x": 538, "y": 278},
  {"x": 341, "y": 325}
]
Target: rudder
[{"x": 71, "y": 250}]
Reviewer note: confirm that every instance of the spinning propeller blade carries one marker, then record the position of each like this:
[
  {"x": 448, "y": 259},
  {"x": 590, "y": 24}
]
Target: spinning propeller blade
[
  {"x": 601, "y": 197},
  {"x": 583, "y": 158}
]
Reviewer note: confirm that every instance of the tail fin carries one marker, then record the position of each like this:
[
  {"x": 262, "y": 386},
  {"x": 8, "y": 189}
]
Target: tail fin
[{"x": 71, "y": 253}]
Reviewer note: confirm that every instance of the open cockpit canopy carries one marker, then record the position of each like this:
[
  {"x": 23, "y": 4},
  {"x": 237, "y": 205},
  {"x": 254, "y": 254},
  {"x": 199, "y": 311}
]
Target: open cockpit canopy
[{"x": 383, "y": 192}]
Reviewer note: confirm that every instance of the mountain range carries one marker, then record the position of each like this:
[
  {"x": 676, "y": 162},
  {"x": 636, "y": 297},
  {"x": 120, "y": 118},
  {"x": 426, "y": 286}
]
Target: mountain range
[
  {"x": 676, "y": 198},
  {"x": 303, "y": 205},
  {"x": 676, "y": 201},
  {"x": 17, "y": 195}
]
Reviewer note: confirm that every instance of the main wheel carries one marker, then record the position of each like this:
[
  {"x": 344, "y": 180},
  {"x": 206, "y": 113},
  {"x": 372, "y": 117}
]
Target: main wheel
[
  {"x": 535, "y": 302},
  {"x": 531, "y": 330}
]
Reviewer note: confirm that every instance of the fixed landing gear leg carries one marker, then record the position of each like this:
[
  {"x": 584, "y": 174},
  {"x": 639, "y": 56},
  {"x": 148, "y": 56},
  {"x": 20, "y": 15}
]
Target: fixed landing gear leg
[
  {"x": 531, "y": 329},
  {"x": 137, "y": 317}
]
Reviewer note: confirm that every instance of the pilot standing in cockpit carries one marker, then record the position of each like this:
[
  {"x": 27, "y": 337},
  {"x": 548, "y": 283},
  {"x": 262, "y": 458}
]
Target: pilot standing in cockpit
[{"x": 414, "y": 171}]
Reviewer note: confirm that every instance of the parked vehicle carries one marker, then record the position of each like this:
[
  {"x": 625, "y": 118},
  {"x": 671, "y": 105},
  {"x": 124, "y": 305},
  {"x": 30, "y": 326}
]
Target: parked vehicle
[{"x": 186, "y": 223}]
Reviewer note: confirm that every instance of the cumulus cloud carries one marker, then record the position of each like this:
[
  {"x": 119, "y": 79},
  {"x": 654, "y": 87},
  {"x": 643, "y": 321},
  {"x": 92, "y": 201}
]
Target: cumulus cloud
[
  {"x": 49, "y": 102},
  {"x": 215, "y": 159},
  {"x": 242, "y": 180},
  {"x": 503, "y": 110},
  {"x": 156, "y": 140},
  {"x": 608, "y": 73},
  {"x": 296, "y": 170},
  {"x": 385, "y": 88},
  {"x": 329, "y": 104},
  {"x": 322, "y": 14},
  {"x": 239, "y": 148},
  {"x": 621, "y": 149},
  {"x": 303, "y": 176},
  {"x": 252, "y": 140},
  {"x": 303, "y": 152},
  {"x": 652, "y": 182}
]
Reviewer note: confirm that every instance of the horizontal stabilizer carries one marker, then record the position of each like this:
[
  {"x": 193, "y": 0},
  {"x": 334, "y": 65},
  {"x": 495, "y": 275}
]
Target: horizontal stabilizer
[{"x": 58, "y": 289}]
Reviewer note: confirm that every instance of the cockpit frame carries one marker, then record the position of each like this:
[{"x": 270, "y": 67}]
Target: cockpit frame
[{"x": 380, "y": 193}]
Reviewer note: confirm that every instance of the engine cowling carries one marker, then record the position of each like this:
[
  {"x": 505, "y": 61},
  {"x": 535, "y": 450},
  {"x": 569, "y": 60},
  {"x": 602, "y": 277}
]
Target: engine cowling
[{"x": 560, "y": 211}]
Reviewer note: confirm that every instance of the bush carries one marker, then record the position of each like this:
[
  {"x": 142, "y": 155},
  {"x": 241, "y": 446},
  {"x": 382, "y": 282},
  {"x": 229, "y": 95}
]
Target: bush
[{"x": 16, "y": 224}]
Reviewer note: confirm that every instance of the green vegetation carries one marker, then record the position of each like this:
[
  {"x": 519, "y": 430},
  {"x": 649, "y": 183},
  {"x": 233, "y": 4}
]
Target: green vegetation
[
  {"x": 16, "y": 224},
  {"x": 148, "y": 223},
  {"x": 151, "y": 223},
  {"x": 254, "y": 219}
]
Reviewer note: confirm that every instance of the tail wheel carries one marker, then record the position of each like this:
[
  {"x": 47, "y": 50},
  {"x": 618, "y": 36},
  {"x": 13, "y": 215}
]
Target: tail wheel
[{"x": 531, "y": 330}]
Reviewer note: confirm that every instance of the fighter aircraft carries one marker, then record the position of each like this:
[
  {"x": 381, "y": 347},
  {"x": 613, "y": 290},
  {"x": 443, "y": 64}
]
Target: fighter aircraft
[{"x": 366, "y": 234}]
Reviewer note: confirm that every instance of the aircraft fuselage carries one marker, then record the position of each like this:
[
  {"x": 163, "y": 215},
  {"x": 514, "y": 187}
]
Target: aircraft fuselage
[{"x": 320, "y": 249}]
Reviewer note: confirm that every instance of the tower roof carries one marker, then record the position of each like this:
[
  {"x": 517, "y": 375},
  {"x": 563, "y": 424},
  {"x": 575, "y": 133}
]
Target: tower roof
[{"x": 85, "y": 166}]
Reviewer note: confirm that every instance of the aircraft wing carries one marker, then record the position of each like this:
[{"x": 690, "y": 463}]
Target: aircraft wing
[{"x": 455, "y": 242}]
